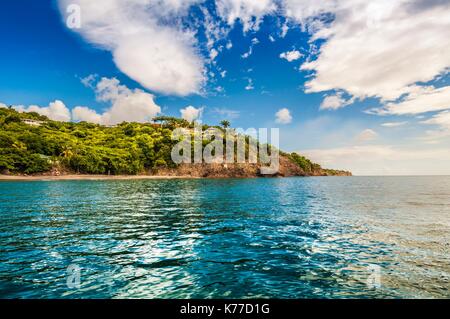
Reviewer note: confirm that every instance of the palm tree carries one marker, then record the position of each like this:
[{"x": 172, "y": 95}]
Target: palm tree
[
  {"x": 225, "y": 124},
  {"x": 67, "y": 153}
]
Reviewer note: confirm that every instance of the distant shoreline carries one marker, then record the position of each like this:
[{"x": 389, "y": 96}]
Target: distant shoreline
[
  {"x": 81, "y": 177},
  {"x": 89, "y": 177}
]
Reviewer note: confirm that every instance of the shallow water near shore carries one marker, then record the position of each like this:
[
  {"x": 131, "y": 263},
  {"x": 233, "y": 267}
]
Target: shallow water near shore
[{"x": 330, "y": 237}]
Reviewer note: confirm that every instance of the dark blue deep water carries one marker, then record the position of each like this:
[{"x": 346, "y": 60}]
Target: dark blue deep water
[{"x": 359, "y": 237}]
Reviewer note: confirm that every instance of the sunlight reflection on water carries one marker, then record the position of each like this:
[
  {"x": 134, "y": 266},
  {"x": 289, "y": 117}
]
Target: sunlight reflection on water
[{"x": 279, "y": 238}]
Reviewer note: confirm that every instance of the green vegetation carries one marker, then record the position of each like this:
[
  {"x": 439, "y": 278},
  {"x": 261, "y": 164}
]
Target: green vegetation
[
  {"x": 313, "y": 169},
  {"x": 305, "y": 164},
  {"x": 172, "y": 122},
  {"x": 41, "y": 145},
  {"x": 225, "y": 124},
  {"x": 128, "y": 148}
]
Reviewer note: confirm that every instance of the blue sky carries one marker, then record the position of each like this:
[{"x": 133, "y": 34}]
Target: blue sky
[{"x": 167, "y": 62}]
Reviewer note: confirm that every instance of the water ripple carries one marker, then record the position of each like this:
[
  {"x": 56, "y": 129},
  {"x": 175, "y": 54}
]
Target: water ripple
[{"x": 258, "y": 238}]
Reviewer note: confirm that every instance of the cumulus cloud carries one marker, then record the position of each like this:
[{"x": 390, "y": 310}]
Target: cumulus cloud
[
  {"x": 126, "y": 105},
  {"x": 56, "y": 110},
  {"x": 305, "y": 11},
  {"x": 334, "y": 102},
  {"x": 366, "y": 136},
  {"x": 248, "y": 12},
  {"x": 283, "y": 116},
  {"x": 368, "y": 39},
  {"x": 85, "y": 114},
  {"x": 421, "y": 99},
  {"x": 191, "y": 113},
  {"x": 154, "y": 42},
  {"x": 160, "y": 56},
  {"x": 291, "y": 55}
]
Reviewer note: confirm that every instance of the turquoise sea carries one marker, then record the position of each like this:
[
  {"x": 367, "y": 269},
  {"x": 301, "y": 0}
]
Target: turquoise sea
[{"x": 334, "y": 237}]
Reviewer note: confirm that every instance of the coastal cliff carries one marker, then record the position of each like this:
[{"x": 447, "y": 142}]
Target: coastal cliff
[
  {"x": 288, "y": 168},
  {"x": 33, "y": 145}
]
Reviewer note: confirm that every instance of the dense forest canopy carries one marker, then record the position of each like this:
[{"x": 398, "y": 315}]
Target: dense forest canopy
[{"x": 31, "y": 143}]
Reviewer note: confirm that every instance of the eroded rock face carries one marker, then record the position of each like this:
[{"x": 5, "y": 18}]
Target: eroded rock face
[
  {"x": 211, "y": 170},
  {"x": 287, "y": 169}
]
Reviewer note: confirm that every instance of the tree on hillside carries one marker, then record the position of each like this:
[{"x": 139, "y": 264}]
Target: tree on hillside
[
  {"x": 225, "y": 124},
  {"x": 172, "y": 122}
]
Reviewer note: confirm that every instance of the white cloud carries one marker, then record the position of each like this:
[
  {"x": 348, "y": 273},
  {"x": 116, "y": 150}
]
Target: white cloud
[
  {"x": 364, "y": 53},
  {"x": 250, "y": 85},
  {"x": 191, "y": 113},
  {"x": 291, "y": 55},
  {"x": 213, "y": 54},
  {"x": 442, "y": 119},
  {"x": 227, "y": 113},
  {"x": 85, "y": 114},
  {"x": 56, "y": 110},
  {"x": 283, "y": 116},
  {"x": 154, "y": 42},
  {"x": 248, "y": 12},
  {"x": 214, "y": 30},
  {"x": 334, "y": 102},
  {"x": 384, "y": 160},
  {"x": 304, "y": 11},
  {"x": 366, "y": 136},
  {"x": 219, "y": 89},
  {"x": 89, "y": 80},
  {"x": 284, "y": 30},
  {"x": 254, "y": 42},
  {"x": 159, "y": 56},
  {"x": 3, "y": 105},
  {"x": 420, "y": 100},
  {"x": 126, "y": 105},
  {"x": 247, "y": 54},
  {"x": 393, "y": 124},
  {"x": 229, "y": 45}
]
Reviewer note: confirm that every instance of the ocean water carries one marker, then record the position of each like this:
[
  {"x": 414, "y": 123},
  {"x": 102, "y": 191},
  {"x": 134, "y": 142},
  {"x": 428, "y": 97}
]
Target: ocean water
[{"x": 358, "y": 237}]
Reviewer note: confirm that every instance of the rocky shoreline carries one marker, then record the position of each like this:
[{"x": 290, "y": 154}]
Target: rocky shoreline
[{"x": 186, "y": 171}]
